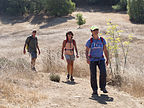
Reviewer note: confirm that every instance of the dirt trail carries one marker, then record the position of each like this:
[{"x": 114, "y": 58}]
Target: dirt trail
[
  {"x": 78, "y": 95},
  {"x": 70, "y": 95}
]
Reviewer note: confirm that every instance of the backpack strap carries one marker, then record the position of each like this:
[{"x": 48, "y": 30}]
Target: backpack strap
[
  {"x": 91, "y": 41},
  {"x": 30, "y": 38},
  {"x": 72, "y": 42},
  {"x": 101, "y": 38}
]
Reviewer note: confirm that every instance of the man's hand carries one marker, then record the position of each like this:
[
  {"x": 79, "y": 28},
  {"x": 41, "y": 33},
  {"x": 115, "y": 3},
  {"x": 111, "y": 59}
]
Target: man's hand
[
  {"x": 88, "y": 61},
  {"x": 39, "y": 52},
  {"x": 107, "y": 62}
]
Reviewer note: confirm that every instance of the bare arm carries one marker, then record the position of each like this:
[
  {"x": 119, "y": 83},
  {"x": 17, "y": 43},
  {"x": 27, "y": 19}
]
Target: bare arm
[
  {"x": 26, "y": 41},
  {"x": 63, "y": 45},
  {"x": 86, "y": 53},
  {"x": 76, "y": 48},
  {"x": 38, "y": 48},
  {"x": 106, "y": 54},
  {"x": 24, "y": 51}
]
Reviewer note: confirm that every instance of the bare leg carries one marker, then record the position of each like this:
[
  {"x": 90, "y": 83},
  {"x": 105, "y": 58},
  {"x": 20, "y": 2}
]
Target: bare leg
[
  {"x": 33, "y": 60},
  {"x": 71, "y": 67},
  {"x": 68, "y": 68}
]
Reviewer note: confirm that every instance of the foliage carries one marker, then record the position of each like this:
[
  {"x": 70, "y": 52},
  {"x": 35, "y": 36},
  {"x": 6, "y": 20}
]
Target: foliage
[
  {"x": 96, "y": 2},
  {"x": 115, "y": 43},
  {"x": 21, "y": 7},
  {"x": 54, "y": 77},
  {"x": 80, "y": 19},
  {"x": 136, "y": 10},
  {"x": 121, "y": 6},
  {"x": 59, "y": 7}
]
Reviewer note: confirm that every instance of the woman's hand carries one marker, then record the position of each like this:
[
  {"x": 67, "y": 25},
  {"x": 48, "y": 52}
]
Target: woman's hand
[
  {"x": 77, "y": 56},
  {"x": 62, "y": 57}
]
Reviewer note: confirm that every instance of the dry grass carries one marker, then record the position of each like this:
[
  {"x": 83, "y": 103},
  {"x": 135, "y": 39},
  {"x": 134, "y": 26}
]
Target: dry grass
[
  {"x": 52, "y": 62},
  {"x": 19, "y": 96},
  {"x": 16, "y": 83}
]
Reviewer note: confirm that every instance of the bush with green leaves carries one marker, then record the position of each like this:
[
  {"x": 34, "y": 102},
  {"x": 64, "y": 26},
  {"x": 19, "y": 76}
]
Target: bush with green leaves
[
  {"x": 96, "y": 2},
  {"x": 54, "y": 77},
  {"x": 52, "y": 7},
  {"x": 121, "y": 6},
  {"x": 80, "y": 19},
  {"x": 20, "y": 7},
  {"x": 136, "y": 10},
  {"x": 59, "y": 7}
]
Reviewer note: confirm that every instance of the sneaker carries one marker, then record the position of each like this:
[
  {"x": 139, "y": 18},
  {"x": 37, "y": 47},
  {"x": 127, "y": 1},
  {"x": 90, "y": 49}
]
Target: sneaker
[
  {"x": 68, "y": 76},
  {"x": 94, "y": 93},
  {"x": 104, "y": 90},
  {"x": 72, "y": 78}
]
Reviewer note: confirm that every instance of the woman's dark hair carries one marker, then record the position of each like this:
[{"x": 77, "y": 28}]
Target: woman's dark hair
[{"x": 69, "y": 32}]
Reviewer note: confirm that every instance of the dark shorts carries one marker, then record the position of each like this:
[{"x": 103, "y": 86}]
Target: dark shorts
[
  {"x": 33, "y": 54},
  {"x": 70, "y": 57}
]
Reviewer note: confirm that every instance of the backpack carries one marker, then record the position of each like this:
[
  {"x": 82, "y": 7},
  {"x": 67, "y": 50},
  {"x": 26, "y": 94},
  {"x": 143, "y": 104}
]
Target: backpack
[
  {"x": 91, "y": 40},
  {"x": 27, "y": 45},
  {"x": 69, "y": 51},
  {"x": 67, "y": 41}
]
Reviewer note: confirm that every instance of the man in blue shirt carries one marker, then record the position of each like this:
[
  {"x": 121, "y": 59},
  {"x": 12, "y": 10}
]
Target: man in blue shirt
[{"x": 94, "y": 54}]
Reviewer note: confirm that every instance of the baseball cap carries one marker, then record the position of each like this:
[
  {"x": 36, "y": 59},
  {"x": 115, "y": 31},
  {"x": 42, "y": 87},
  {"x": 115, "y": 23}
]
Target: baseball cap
[{"x": 94, "y": 27}]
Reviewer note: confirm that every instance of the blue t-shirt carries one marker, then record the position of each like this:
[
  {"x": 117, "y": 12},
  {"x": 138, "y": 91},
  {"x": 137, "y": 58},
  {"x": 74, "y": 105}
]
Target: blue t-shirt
[{"x": 96, "y": 49}]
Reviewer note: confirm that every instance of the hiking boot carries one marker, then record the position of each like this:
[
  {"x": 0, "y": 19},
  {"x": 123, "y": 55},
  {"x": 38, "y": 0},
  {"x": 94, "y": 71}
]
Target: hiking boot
[
  {"x": 104, "y": 90},
  {"x": 34, "y": 69},
  {"x": 94, "y": 93},
  {"x": 68, "y": 76},
  {"x": 72, "y": 78}
]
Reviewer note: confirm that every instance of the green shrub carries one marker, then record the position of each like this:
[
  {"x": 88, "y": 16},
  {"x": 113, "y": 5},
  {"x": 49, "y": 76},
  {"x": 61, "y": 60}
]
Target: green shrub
[
  {"x": 96, "y": 2},
  {"x": 54, "y": 77},
  {"x": 80, "y": 19},
  {"x": 59, "y": 7},
  {"x": 121, "y": 6},
  {"x": 52, "y": 7},
  {"x": 136, "y": 10}
]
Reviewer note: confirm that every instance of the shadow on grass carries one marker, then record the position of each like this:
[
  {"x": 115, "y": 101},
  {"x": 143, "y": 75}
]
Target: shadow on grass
[
  {"x": 36, "y": 19},
  {"x": 69, "y": 82},
  {"x": 96, "y": 8},
  {"x": 102, "y": 99}
]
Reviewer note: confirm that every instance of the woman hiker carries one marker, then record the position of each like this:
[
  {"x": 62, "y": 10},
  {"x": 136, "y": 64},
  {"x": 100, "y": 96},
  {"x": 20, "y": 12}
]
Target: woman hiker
[
  {"x": 95, "y": 47},
  {"x": 68, "y": 48}
]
